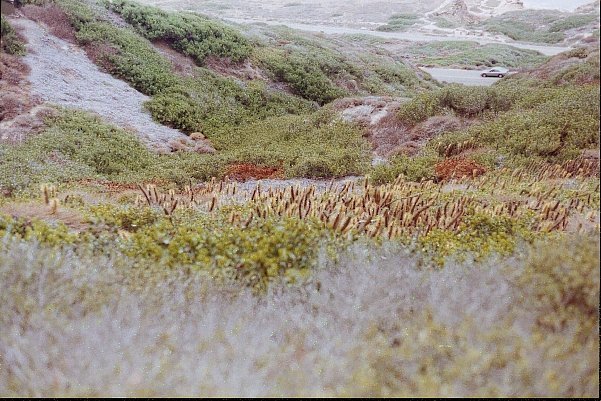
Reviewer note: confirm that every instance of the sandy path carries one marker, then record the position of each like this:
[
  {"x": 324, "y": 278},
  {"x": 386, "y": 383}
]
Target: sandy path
[{"x": 61, "y": 73}]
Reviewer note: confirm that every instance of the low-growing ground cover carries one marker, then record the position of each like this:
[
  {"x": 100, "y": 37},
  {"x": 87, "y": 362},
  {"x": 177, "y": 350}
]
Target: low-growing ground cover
[
  {"x": 478, "y": 278},
  {"x": 542, "y": 26},
  {"x": 514, "y": 122},
  {"x": 245, "y": 119},
  {"x": 11, "y": 43},
  {"x": 399, "y": 22},
  {"x": 76, "y": 145},
  {"x": 466, "y": 268},
  {"x": 465, "y": 54}
]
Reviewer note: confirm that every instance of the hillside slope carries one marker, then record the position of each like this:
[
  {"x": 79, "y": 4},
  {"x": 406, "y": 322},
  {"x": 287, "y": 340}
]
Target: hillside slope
[{"x": 62, "y": 74}]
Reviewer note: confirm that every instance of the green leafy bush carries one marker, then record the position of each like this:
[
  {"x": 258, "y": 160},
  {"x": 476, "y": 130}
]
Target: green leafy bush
[
  {"x": 572, "y": 21},
  {"x": 586, "y": 72},
  {"x": 207, "y": 102},
  {"x": 253, "y": 255},
  {"x": 563, "y": 281},
  {"x": 305, "y": 146},
  {"x": 191, "y": 34},
  {"x": 479, "y": 235},
  {"x": 556, "y": 129},
  {"x": 542, "y": 26},
  {"x": 10, "y": 42},
  {"x": 471, "y": 54},
  {"x": 302, "y": 72},
  {"x": 75, "y": 146},
  {"x": 462, "y": 100},
  {"x": 265, "y": 250},
  {"x": 399, "y": 22},
  {"x": 416, "y": 168},
  {"x": 128, "y": 56}
]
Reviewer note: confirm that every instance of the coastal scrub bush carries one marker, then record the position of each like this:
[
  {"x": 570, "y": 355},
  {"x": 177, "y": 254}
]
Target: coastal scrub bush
[
  {"x": 464, "y": 101},
  {"x": 208, "y": 102},
  {"x": 189, "y": 33},
  {"x": 471, "y": 54},
  {"x": 303, "y": 72},
  {"x": 416, "y": 168},
  {"x": 74, "y": 146},
  {"x": 529, "y": 25},
  {"x": 399, "y": 22},
  {"x": 311, "y": 145},
  {"x": 563, "y": 281},
  {"x": 555, "y": 129},
  {"x": 10, "y": 42}
]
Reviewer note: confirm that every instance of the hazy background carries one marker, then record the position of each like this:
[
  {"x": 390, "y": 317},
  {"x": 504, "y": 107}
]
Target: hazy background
[{"x": 559, "y": 4}]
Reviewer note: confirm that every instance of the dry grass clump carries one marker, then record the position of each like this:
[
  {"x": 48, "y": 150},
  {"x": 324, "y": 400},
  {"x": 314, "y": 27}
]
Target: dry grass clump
[
  {"x": 53, "y": 17},
  {"x": 379, "y": 324},
  {"x": 14, "y": 91},
  {"x": 407, "y": 208}
]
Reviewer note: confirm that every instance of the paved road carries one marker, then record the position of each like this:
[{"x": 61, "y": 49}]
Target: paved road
[
  {"x": 409, "y": 36},
  {"x": 466, "y": 77}
]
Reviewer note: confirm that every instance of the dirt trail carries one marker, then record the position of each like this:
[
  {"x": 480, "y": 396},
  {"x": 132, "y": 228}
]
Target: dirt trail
[{"x": 61, "y": 73}]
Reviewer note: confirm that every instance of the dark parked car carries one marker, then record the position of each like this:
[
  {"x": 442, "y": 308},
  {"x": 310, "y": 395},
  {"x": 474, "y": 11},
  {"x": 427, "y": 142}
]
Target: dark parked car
[{"x": 497, "y": 72}]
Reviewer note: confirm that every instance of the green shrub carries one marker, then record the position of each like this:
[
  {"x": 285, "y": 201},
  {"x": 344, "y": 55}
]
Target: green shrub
[
  {"x": 10, "y": 42},
  {"x": 55, "y": 235},
  {"x": 208, "y": 102},
  {"x": 128, "y": 57},
  {"x": 415, "y": 168},
  {"x": 201, "y": 103},
  {"x": 309, "y": 64},
  {"x": 302, "y": 72},
  {"x": 572, "y": 21},
  {"x": 177, "y": 110},
  {"x": 581, "y": 73},
  {"x": 266, "y": 250},
  {"x": 543, "y": 26},
  {"x": 463, "y": 100},
  {"x": 305, "y": 146},
  {"x": 562, "y": 281},
  {"x": 420, "y": 108},
  {"x": 191, "y": 34},
  {"x": 478, "y": 235},
  {"x": 399, "y": 22},
  {"x": 555, "y": 129},
  {"x": 77, "y": 146},
  {"x": 471, "y": 54},
  {"x": 253, "y": 255},
  {"x": 74, "y": 146},
  {"x": 130, "y": 218},
  {"x": 396, "y": 73}
]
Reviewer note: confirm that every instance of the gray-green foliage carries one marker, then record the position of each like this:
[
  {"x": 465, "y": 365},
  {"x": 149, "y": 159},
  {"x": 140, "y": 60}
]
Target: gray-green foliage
[
  {"x": 11, "y": 43},
  {"x": 310, "y": 145},
  {"x": 471, "y": 54},
  {"x": 192, "y": 34},
  {"x": 322, "y": 70},
  {"x": 76, "y": 145},
  {"x": 399, "y": 22},
  {"x": 544, "y": 26},
  {"x": 110, "y": 327},
  {"x": 197, "y": 103}
]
